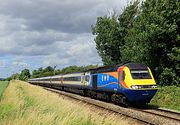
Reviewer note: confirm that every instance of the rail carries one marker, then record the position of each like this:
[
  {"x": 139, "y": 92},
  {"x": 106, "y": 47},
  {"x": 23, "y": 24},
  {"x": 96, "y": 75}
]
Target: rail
[{"x": 147, "y": 116}]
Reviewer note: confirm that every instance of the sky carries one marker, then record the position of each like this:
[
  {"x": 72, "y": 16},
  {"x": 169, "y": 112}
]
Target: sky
[{"x": 41, "y": 33}]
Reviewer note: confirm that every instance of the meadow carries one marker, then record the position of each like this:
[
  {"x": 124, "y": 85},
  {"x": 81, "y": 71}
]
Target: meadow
[
  {"x": 25, "y": 104},
  {"x": 167, "y": 97}
]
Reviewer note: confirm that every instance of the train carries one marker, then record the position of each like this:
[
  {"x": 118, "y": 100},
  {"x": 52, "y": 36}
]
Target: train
[{"x": 130, "y": 83}]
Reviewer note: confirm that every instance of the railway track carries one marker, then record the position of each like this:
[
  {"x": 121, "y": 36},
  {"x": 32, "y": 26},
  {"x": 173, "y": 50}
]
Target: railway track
[
  {"x": 150, "y": 116},
  {"x": 164, "y": 113}
]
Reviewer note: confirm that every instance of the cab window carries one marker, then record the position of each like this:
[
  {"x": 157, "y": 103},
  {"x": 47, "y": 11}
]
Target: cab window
[{"x": 140, "y": 74}]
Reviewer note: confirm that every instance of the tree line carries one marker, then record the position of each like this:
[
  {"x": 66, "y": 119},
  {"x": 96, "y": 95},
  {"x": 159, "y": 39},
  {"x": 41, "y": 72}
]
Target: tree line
[
  {"x": 25, "y": 74},
  {"x": 146, "y": 32}
]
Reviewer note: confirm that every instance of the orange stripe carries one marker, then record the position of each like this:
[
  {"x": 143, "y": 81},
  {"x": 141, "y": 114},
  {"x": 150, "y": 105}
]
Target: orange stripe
[
  {"x": 121, "y": 81},
  {"x": 123, "y": 84},
  {"x": 114, "y": 74}
]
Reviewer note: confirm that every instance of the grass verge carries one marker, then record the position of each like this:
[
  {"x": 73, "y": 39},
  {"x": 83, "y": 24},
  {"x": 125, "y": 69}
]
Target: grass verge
[
  {"x": 24, "y": 104},
  {"x": 3, "y": 85},
  {"x": 167, "y": 97}
]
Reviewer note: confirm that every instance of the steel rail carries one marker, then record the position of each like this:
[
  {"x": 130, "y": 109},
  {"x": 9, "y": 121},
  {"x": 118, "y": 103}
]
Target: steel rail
[
  {"x": 120, "y": 110},
  {"x": 162, "y": 113},
  {"x": 98, "y": 104}
]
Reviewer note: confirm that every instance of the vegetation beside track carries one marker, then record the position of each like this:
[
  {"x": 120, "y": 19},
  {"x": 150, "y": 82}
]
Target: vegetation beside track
[
  {"x": 25, "y": 104},
  {"x": 167, "y": 97},
  {"x": 3, "y": 85}
]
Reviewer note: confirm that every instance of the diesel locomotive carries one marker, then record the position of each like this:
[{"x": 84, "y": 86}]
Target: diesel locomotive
[{"x": 130, "y": 83}]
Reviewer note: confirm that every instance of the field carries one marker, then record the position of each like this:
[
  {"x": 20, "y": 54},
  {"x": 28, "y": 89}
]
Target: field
[
  {"x": 3, "y": 85},
  {"x": 24, "y": 104},
  {"x": 167, "y": 97}
]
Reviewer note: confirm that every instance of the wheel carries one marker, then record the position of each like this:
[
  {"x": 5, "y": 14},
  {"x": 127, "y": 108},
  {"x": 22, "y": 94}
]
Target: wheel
[
  {"x": 108, "y": 97},
  {"x": 122, "y": 100}
]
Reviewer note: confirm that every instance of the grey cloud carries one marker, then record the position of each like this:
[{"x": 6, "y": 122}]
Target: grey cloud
[
  {"x": 66, "y": 16},
  {"x": 59, "y": 31},
  {"x": 82, "y": 52},
  {"x": 33, "y": 43}
]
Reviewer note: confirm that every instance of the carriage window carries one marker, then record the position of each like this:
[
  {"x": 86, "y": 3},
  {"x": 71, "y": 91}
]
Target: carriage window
[
  {"x": 55, "y": 79},
  {"x": 77, "y": 78}
]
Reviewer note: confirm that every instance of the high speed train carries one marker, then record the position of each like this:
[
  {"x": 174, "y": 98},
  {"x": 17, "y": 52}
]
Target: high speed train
[{"x": 130, "y": 83}]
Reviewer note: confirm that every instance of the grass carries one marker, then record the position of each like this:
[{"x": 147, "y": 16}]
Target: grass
[
  {"x": 3, "y": 85},
  {"x": 24, "y": 104},
  {"x": 167, "y": 97}
]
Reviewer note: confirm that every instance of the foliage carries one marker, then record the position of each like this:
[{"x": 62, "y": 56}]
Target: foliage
[
  {"x": 49, "y": 71},
  {"x": 167, "y": 97},
  {"x": 151, "y": 36},
  {"x": 169, "y": 77},
  {"x": 70, "y": 69},
  {"x": 13, "y": 76},
  {"x": 154, "y": 39},
  {"x": 24, "y": 75},
  {"x": 107, "y": 39},
  {"x": 73, "y": 69},
  {"x": 110, "y": 32}
]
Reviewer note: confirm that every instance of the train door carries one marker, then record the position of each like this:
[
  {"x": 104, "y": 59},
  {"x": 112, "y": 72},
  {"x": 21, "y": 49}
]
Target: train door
[
  {"x": 61, "y": 80},
  {"x": 121, "y": 77},
  {"x": 83, "y": 80},
  {"x": 94, "y": 82},
  {"x": 87, "y": 79}
]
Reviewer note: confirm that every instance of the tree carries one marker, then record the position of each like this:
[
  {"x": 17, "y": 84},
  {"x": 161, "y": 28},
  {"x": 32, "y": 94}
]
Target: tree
[
  {"x": 25, "y": 75},
  {"x": 36, "y": 74},
  {"x": 155, "y": 40},
  {"x": 110, "y": 32},
  {"x": 107, "y": 39},
  {"x": 71, "y": 69},
  {"x": 48, "y": 69},
  {"x": 13, "y": 76},
  {"x": 148, "y": 33}
]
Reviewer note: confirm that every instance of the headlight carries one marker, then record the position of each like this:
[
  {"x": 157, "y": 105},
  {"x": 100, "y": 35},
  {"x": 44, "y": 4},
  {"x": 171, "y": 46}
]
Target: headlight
[
  {"x": 143, "y": 86},
  {"x": 154, "y": 86},
  {"x": 134, "y": 87}
]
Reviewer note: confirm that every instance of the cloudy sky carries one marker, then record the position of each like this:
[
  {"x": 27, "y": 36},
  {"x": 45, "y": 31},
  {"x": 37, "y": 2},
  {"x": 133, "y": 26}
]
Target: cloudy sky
[{"x": 39, "y": 33}]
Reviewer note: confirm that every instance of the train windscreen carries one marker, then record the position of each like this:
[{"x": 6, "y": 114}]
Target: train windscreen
[{"x": 140, "y": 74}]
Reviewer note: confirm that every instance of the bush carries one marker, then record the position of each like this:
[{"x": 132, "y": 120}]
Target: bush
[{"x": 169, "y": 77}]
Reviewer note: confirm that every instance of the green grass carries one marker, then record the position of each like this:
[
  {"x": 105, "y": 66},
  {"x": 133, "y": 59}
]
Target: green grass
[
  {"x": 24, "y": 104},
  {"x": 3, "y": 85},
  {"x": 167, "y": 97}
]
